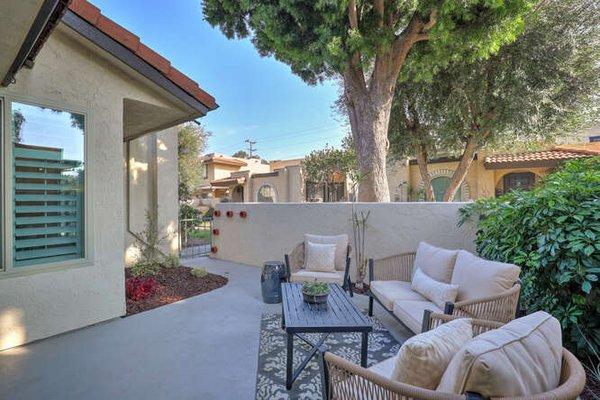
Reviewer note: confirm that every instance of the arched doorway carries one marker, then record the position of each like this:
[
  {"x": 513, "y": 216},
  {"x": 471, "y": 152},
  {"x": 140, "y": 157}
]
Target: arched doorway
[
  {"x": 266, "y": 194},
  {"x": 440, "y": 185},
  {"x": 237, "y": 196}
]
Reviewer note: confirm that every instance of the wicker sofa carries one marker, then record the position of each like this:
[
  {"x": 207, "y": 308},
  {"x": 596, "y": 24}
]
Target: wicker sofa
[
  {"x": 295, "y": 263},
  {"x": 344, "y": 380},
  {"x": 390, "y": 286}
]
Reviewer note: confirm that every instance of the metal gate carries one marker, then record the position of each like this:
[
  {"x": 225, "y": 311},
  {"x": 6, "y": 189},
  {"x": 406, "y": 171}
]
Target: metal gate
[{"x": 195, "y": 236}]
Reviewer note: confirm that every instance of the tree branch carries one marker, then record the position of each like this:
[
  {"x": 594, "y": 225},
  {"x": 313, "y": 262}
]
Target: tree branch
[
  {"x": 352, "y": 14},
  {"x": 379, "y": 7}
]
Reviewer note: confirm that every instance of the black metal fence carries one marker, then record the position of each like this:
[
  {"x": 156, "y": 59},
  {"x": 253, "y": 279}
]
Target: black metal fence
[{"x": 195, "y": 237}]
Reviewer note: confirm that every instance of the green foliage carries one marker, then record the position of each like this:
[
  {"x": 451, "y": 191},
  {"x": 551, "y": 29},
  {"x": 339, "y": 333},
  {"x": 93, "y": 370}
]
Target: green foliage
[
  {"x": 191, "y": 143},
  {"x": 240, "y": 154},
  {"x": 199, "y": 272},
  {"x": 187, "y": 211},
  {"x": 322, "y": 165},
  {"x": 315, "y": 288},
  {"x": 143, "y": 268},
  {"x": 553, "y": 233},
  {"x": 148, "y": 243},
  {"x": 171, "y": 261},
  {"x": 315, "y": 39}
]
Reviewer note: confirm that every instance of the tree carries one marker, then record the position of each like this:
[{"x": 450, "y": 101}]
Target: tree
[
  {"x": 543, "y": 85},
  {"x": 321, "y": 166},
  {"x": 240, "y": 154},
  {"x": 366, "y": 44},
  {"x": 191, "y": 143}
]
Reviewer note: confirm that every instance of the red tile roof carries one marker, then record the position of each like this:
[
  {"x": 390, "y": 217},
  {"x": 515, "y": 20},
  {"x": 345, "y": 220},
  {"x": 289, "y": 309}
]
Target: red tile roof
[
  {"x": 93, "y": 16},
  {"x": 223, "y": 159},
  {"x": 555, "y": 154}
]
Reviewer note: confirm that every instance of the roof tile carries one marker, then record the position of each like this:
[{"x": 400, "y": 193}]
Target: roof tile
[
  {"x": 85, "y": 10},
  {"x": 545, "y": 155},
  {"x": 153, "y": 58},
  {"x": 118, "y": 33}
]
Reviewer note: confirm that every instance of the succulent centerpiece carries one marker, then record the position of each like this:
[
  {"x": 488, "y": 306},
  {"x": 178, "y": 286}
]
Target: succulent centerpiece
[{"x": 315, "y": 292}]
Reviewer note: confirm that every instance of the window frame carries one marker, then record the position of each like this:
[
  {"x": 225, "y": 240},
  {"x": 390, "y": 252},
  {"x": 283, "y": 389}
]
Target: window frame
[{"x": 7, "y": 269}]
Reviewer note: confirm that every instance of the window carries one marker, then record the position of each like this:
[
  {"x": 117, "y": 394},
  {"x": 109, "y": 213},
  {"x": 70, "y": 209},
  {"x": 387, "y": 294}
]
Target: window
[
  {"x": 518, "y": 180},
  {"x": 205, "y": 171},
  {"x": 48, "y": 185},
  {"x": 266, "y": 194},
  {"x": 440, "y": 185},
  {"x": 325, "y": 192}
]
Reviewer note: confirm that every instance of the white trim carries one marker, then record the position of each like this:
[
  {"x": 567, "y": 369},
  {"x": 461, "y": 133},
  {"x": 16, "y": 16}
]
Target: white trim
[{"x": 7, "y": 221}]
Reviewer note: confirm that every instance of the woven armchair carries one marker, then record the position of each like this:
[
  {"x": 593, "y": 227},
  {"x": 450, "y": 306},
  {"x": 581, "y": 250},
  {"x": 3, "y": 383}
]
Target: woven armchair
[
  {"x": 344, "y": 380},
  {"x": 503, "y": 307},
  {"x": 294, "y": 262}
]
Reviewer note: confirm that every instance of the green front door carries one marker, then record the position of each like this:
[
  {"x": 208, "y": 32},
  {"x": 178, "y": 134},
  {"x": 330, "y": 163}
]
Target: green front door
[{"x": 440, "y": 184}]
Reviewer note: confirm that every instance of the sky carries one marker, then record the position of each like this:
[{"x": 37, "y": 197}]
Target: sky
[{"x": 259, "y": 98}]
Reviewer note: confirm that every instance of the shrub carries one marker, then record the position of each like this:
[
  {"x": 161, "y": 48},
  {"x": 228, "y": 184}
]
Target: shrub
[
  {"x": 143, "y": 268},
  {"x": 140, "y": 288},
  {"x": 187, "y": 211},
  {"x": 171, "y": 261},
  {"x": 199, "y": 272},
  {"x": 553, "y": 233}
]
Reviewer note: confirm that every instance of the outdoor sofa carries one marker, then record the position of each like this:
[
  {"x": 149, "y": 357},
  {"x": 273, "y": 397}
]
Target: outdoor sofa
[
  {"x": 339, "y": 273},
  {"x": 508, "y": 362},
  {"x": 485, "y": 289}
]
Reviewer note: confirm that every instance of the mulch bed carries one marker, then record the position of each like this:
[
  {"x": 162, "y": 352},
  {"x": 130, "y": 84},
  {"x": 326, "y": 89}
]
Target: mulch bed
[
  {"x": 174, "y": 284},
  {"x": 592, "y": 389}
]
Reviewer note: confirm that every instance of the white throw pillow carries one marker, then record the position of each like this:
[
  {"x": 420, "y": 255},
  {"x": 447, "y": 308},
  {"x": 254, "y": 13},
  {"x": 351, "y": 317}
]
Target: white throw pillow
[
  {"x": 341, "y": 243},
  {"x": 423, "y": 358},
  {"x": 320, "y": 257},
  {"x": 438, "y": 292},
  {"x": 436, "y": 262},
  {"x": 521, "y": 358}
]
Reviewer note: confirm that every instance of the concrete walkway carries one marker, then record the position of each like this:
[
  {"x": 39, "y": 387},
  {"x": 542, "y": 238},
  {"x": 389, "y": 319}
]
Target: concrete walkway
[{"x": 204, "y": 347}]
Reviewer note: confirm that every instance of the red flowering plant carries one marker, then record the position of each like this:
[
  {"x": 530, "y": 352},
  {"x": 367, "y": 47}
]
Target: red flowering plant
[{"x": 139, "y": 288}]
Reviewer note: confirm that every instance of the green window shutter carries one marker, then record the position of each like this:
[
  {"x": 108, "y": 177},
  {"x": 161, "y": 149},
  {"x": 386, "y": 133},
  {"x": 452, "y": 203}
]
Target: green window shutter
[
  {"x": 440, "y": 185},
  {"x": 47, "y": 206}
]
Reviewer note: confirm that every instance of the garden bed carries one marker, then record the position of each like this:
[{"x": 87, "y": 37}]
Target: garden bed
[{"x": 174, "y": 284}]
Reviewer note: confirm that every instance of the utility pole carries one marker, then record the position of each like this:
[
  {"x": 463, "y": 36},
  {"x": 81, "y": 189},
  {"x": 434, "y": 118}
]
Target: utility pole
[{"x": 251, "y": 148}]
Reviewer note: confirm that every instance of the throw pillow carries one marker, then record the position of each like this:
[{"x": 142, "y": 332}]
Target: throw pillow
[
  {"x": 436, "y": 262},
  {"x": 438, "y": 292},
  {"x": 423, "y": 358},
  {"x": 341, "y": 243},
  {"x": 320, "y": 257}
]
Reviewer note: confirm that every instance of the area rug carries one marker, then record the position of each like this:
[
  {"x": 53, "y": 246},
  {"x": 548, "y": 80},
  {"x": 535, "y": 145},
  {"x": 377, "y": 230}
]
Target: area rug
[{"x": 270, "y": 381}]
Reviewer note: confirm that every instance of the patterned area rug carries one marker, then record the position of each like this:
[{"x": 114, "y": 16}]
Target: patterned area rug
[{"x": 270, "y": 381}]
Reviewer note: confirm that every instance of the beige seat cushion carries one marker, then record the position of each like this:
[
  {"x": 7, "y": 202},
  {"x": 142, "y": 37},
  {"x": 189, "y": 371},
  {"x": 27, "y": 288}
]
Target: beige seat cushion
[
  {"x": 522, "y": 358},
  {"x": 389, "y": 291},
  {"x": 384, "y": 368},
  {"x": 477, "y": 277},
  {"x": 313, "y": 276},
  {"x": 341, "y": 247},
  {"x": 423, "y": 358},
  {"x": 438, "y": 292},
  {"x": 410, "y": 312},
  {"x": 319, "y": 257},
  {"x": 436, "y": 262}
]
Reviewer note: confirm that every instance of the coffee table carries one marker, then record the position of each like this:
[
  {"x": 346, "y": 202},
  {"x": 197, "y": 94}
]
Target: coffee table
[{"x": 339, "y": 314}]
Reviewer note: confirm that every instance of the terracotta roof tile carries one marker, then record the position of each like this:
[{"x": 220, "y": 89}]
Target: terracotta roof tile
[
  {"x": 92, "y": 15},
  {"x": 533, "y": 156}
]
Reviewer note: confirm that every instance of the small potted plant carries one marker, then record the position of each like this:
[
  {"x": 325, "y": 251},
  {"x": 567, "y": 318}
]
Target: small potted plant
[{"x": 315, "y": 292}]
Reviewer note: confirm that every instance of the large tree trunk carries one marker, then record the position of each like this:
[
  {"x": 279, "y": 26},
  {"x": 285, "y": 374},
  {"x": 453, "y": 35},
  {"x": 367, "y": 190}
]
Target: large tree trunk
[
  {"x": 421, "y": 151},
  {"x": 463, "y": 167}
]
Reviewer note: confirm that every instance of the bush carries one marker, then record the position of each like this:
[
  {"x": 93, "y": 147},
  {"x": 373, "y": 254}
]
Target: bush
[
  {"x": 199, "y": 272},
  {"x": 187, "y": 211},
  {"x": 139, "y": 288},
  {"x": 143, "y": 268},
  {"x": 171, "y": 261},
  {"x": 553, "y": 233}
]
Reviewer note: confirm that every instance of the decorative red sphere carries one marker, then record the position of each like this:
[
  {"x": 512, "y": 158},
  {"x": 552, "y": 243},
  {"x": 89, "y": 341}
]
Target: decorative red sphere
[
  {"x": 217, "y": 213},
  {"x": 213, "y": 249},
  {"x": 229, "y": 214},
  {"x": 243, "y": 214},
  {"x": 215, "y": 232}
]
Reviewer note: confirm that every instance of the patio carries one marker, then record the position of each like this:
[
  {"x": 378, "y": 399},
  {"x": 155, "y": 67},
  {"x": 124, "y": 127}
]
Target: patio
[{"x": 180, "y": 351}]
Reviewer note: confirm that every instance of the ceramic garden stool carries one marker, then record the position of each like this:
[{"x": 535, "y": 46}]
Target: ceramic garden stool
[{"x": 273, "y": 274}]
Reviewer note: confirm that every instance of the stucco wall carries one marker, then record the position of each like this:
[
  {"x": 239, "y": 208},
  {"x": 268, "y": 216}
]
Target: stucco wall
[
  {"x": 40, "y": 304},
  {"x": 270, "y": 230}
]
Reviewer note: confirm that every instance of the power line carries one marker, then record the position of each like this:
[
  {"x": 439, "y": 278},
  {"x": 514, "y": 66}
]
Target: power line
[{"x": 251, "y": 149}]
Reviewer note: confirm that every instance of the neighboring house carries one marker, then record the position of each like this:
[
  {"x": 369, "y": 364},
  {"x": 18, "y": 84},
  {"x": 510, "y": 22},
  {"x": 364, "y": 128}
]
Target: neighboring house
[
  {"x": 489, "y": 176},
  {"x": 250, "y": 180},
  {"x": 89, "y": 145}
]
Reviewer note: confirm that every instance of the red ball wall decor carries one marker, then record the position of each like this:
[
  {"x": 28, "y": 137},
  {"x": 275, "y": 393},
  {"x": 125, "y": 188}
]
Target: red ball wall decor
[
  {"x": 229, "y": 214},
  {"x": 215, "y": 232},
  {"x": 213, "y": 249},
  {"x": 217, "y": 213},
  {"x": 243, "y": 214}
]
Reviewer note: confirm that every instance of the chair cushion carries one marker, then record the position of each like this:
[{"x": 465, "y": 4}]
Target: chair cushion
[
  {"x": 341, "y": 247},
  {"x": 313, "y": 276},
  {"x": 319, "y": 257},
  {"x": 521, "y": 358},
  {"x": 423, "y": 358},
  {"x": 385, "y": 368},
  {"x": 477, "y": 277},
  {"x": 436, "y": 262},
  {"x": 389, "y": 291},
  {"x": 410, "y": 312},
  {"x": 438, "y": 292}
]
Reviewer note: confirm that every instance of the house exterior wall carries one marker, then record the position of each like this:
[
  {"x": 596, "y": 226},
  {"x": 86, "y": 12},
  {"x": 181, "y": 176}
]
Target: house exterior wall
[
  {"x": 42, "y": 303},
  {"x": 393, "y": 228},
  {"x": 220, "y": 171}
]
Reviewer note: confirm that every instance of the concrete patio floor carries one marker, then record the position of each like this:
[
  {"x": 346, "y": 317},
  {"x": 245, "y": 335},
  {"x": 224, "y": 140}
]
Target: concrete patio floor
[{"x": 204, "y": 347}]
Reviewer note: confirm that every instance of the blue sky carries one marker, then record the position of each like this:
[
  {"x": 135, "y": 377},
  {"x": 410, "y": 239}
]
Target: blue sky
[{"x": 259, "y": 98}]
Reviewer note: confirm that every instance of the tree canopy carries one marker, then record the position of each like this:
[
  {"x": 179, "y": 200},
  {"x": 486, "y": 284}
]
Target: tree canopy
[
  {"x": 367, "y": 43},
  {"x": 541, "y": 86},
  {"x": 191, "y": 144},
  {"x": 240, "y": 154}
]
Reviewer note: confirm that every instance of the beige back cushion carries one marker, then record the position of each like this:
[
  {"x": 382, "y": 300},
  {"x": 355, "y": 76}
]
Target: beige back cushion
[
  {"x": 477, "y": 277},
  {"x": 438, "y": 292},
  {"x": 436, "y": 262},
  {"x": 341, "y": 247},
  {"x": 423, "y": 358},
  {"x": 319, "y": 257},
  {"x": 522, "y": 358}
]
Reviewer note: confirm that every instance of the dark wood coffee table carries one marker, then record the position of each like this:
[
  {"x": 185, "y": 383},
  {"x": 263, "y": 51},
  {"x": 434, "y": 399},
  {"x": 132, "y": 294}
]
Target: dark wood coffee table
[{"x": 338, "y": 315}]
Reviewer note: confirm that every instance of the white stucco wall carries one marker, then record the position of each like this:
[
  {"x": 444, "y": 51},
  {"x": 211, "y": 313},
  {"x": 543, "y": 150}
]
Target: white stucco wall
[
  {"x": 40, "y": 304},
  {"x": 270, "y": 230}
]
